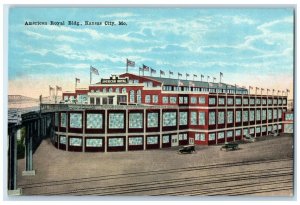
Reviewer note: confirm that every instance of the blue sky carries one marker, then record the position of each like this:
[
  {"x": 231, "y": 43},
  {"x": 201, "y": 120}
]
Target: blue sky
[{"x": 249, "y": 46}]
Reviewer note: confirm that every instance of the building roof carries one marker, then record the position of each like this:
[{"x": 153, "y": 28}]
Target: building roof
[{"x": 175, "y": 82}]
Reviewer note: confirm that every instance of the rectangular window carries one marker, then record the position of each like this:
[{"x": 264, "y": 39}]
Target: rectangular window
[
  {"x": 264, "y": 101},
  {"x": 238, "y": 132},
  {"x": 147, "y": 99},
  {"x": 180, "y": 100},
  {"x": 229, "y": 133},
  {"x": 279, "y": 126},
  {"x": 257, "y": 114},
  {"x": 94, "y": 121},
  {"x": 165, "y": 100},
  {"x": 238, "y": 101},
  {"x": 166, "y": 139},
  {"x": 279, "y": 113},
  {"x": 263, "y": 128},
  {"x": 270, "y": 128},
  {"x": 252, "y": 115},
  {"x": 245, "y": 101},
  {"x": 182, "y": 136},
  {"x": 75, "y": 120},
  {"x": 257, "y": 129},
  {"x": 169, "y": 119},
  {"x": 211, "y": 136},
  {"x": 202, "y": 100},
  {"x": 221, "y": 117},
  {"x": 200, "y": 136},
  {"x": 245, "y": 116},
  {"x": 75, "y": 141},
  {"x": 56, "y": 119},
  {"x": 63, "y": 119},
  {"x": 183, "y": 118},
  {"x": 135, "y": 120},
  {"x": 212, "y": 118},
  {"x": 221, "y": 135},
  {"x": 251, "y": 131},
  {"x": 221, "y": 101},
  {"x": 230, "y": 117},
  {"x": 269, "y": 114},
  {"x": 280, "y": 101},
  {"x": 212, "y": 101},
  {"x": 93, "y": 143},
  {"x": 193, "y": 100},
  {"x": 264, "y": 115},
  {"x": 116, "y": 120},
  {"x": 135, "y": 140},
  {"x": 152, "y": 120},
  {"x": 115, "y": 142},
  {"x": 230, "y": 101},
  {"x": 152, "y": 140},
  {"x": 186, "y": 100},
  {"x": 173, "y": 100},
  {"x": 201, "y": 118},
  {"x": 193, "y": 118},
  {"x": 238, "y": 116},
  {"x": 275, "y": 101},
  {"x": 275, "y": 114},
  {"x": 252, "y": 101},
  {"x": 269, "y": 101},
  {"x": 62, "y": 139},
  {"x": 245, "y": 131},
  {"x": 257, "y": 101},
  {"x": 284, "y": 101},
  {"x": 155, "y": 98}
]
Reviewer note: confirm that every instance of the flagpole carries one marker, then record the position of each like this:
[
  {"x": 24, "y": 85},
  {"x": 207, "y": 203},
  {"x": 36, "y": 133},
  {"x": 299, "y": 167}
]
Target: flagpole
[
  {"x": 90, "y": 75},
  {"x": 126, "y": 65}
]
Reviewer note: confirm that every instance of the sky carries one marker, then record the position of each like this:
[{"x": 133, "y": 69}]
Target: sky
[{"x": 251, "y": 47}]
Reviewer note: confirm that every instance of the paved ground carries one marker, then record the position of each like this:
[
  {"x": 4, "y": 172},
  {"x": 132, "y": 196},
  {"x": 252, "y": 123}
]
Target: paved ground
[{"x": 262, "y": 168}]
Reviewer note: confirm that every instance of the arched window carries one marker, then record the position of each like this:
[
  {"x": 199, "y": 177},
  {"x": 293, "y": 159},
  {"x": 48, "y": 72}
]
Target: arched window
[
  {"x": 123, "y": 90},
  {"x": 131, "y": 96},
  {"x": 117, "y": 90},
  {"x": 110, "y": 90},
  {"x": 104, "y": 90},
  {"x": 139, "y": 96}
]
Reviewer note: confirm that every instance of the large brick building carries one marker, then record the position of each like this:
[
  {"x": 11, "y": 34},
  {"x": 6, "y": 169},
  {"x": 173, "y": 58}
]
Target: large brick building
[{"x": 131, "y": 112}]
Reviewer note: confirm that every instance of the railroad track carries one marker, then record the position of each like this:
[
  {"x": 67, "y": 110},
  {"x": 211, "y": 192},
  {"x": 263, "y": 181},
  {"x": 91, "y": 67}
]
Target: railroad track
[{"x": 245, "y": 182}]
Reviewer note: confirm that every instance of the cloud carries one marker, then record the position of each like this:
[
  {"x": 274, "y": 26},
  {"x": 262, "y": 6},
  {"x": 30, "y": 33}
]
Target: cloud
[
  {"x": 117, "y": 15},
  {"x": 242, "y": 20}
]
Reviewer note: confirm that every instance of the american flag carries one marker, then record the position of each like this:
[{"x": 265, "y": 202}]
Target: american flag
[
  {"x": 77, "y": 80},
  {"x": 153, "y": 71},
  {"x": 94, "y": 70},
  {"x": 146, "y": 68},
  {"x": 171, "y": 73},
  {"x": 162, "y": 72},
  {"x": 202, "y": 76},
  {"x": 179, "y": 74},
  {"x": 221, "y": 74},
  {"x": 130, "y": 63},
  {"x": 195, "y": 75},
  {"x": 187, "y": 75},
  {"x": 50, "y": 88}
]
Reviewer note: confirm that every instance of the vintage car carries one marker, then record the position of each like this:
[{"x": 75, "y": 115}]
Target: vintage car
[
  {"x": 230, "y": 146},
  {"x": 249, "y": 138},
  {"x": 188, "y": 149}
]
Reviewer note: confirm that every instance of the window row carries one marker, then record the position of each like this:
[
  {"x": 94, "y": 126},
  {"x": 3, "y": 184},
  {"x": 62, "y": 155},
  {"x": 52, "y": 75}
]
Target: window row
[{"x": 246, "y": 101}]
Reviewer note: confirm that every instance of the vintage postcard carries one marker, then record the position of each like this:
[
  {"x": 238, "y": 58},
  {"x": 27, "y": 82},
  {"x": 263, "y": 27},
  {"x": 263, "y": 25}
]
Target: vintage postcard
[{"x": 157, "y": 101}]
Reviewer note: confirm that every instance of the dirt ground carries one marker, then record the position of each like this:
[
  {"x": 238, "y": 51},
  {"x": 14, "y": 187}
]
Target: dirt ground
[{"x": 262, "y": 168}]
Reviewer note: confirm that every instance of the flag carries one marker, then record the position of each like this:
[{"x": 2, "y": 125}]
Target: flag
[
  {"x": 221, "y": 74},
  {"x": 273, "y": 90},
  {"x": 179, "y": 74},
  {"x": 202, "y": 76},
  {"x": 195, "y": 76},
  {"x": 187, "y": 75},
  {"x": 77, "y": 80},
  {"x": 268, "y": 89},
  {"x": 250, "y": 87},
  {"x": 130, "y": 63},
  {"x": 257, "y": 88},
  {"x": 50, "y": 88},
  {"x": 214, "y": 78},
  {"x": 171, "y": 73},
  {"x": 94, "y": 70},
  {"x": 162, "y": 72},
  {"x": 153, "y": 71},
  {"x": 262, "y": 89},
  {"x": 58, "y": 88},
  {"x": 141, "y": 69},
  {"x": 146, "y": 68},
  {"x": 287, "y": 90},
  {"x": 192, "y": 84}
]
